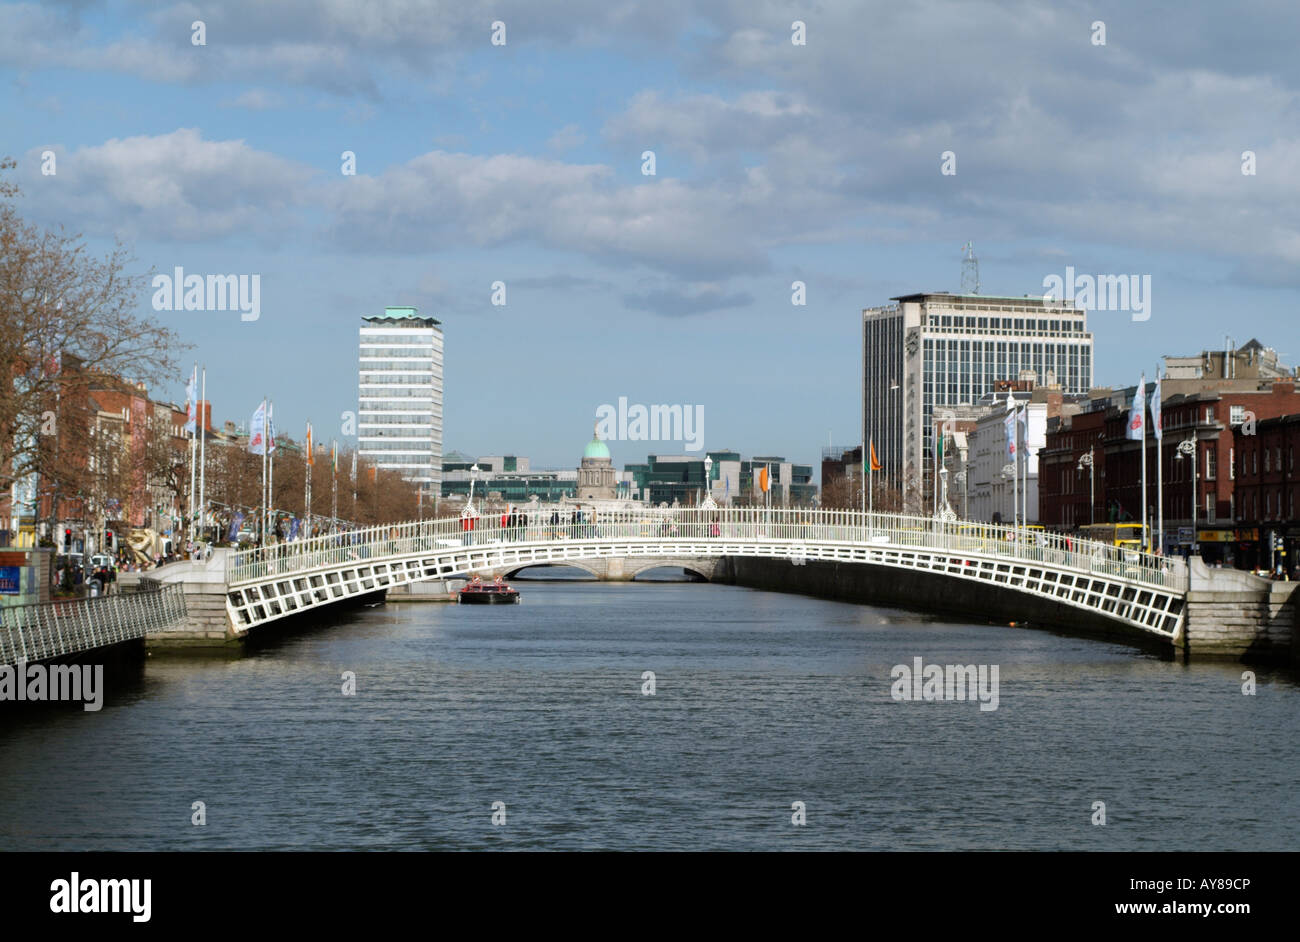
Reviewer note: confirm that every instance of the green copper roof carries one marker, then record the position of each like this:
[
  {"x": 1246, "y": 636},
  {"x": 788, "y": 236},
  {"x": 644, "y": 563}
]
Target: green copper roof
[
  {"x": 401, "y": 314},
  {"x": 595, "y": 448}
]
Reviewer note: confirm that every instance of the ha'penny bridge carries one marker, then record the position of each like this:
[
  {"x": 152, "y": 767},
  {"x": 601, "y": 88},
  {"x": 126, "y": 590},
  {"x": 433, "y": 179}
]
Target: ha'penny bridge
[
  {"x": 1145, "y": 594},
  {"x": 981, "y": 571}
]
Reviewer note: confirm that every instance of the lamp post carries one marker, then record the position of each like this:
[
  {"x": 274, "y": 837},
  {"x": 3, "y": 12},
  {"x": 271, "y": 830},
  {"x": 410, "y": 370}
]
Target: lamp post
[
  {"x": 473, "y": 475},
  {"x": 1187, "y": 449},
  {"x": 1010, "y": 473},
  {"x": 708, "y": 503},
  {"x": 1086, "y": 461}
]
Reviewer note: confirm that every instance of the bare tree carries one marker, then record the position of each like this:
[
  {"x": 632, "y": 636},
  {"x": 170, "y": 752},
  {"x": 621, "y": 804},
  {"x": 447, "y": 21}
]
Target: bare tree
[{"x": 59, "y": 303}]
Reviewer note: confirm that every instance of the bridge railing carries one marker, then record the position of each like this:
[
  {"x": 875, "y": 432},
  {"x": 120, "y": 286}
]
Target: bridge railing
[
  {"x": 745, "y": 524},
  {"x": 66, "y": 626}
]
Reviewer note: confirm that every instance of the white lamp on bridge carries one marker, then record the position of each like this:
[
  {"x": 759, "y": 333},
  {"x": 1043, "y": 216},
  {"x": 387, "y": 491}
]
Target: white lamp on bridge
[{"x": 708, "y": 503}]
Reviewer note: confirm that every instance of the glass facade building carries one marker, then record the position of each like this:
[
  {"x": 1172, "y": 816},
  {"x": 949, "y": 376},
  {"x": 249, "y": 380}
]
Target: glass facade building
[
  {"x": 930, "y": 351},
  {"x": 399, "y": 424}
]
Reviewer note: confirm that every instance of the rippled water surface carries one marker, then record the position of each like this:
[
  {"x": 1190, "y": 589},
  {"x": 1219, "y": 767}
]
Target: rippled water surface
[{"x": 762, "y": 700}]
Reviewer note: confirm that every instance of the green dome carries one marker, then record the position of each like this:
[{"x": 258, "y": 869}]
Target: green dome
[{"x": 595, "y": 448}]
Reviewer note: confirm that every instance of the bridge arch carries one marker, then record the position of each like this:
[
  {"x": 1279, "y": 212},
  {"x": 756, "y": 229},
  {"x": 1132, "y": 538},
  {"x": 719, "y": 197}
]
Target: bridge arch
[
  {"x": 588, "y": 568},
  {"x": 1140, "y": 592}
]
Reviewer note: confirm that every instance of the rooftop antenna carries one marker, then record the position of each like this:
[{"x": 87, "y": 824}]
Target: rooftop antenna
[{"x": 970, "y": 270}]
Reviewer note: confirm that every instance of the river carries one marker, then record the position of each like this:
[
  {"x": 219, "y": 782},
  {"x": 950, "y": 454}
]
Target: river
[{"x": 761, "y": 701}]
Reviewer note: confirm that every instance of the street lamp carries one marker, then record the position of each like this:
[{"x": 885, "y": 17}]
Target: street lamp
[
  {"x": 1187, "y": 449},
  {"x": 1009, "y": 473},
  {"x": 708, "y": 503},
  {"x": 473, "y": 475},
  {"x": 1086, "y": 461}
]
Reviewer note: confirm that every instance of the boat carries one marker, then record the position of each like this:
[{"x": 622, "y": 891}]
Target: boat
[{"x": 496, "y": 592}]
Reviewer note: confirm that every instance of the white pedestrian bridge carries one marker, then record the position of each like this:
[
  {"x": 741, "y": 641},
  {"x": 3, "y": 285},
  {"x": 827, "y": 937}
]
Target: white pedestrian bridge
[{"x": 1124, "y": 588}]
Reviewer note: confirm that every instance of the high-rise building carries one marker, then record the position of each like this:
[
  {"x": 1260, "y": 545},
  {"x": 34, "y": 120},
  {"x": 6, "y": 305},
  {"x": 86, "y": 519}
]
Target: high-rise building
[
  {"x": 399, "y": 425},
  {"x": 929, "y": 351}
]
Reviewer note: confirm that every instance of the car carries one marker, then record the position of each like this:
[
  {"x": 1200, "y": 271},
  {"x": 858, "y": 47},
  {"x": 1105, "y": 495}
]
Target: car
[{"x": 101, "y": 561}]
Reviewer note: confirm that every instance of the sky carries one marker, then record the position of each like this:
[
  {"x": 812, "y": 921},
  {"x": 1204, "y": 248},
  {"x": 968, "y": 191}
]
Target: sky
[{"x": 521, "y": 162}]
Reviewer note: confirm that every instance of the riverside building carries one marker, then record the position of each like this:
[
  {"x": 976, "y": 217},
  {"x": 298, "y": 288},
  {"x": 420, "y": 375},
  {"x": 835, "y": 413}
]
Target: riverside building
[
  {"x": 929, "y": 351},
  {"x": 399, "y": 424}
]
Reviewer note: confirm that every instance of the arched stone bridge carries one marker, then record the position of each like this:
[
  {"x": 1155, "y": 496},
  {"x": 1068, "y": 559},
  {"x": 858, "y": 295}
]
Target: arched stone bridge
[
  {"x": 1142, "y": 592},
  {"x": 624, "y": 569}
]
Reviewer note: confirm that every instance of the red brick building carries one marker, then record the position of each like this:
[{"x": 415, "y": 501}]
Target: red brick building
[
  {"x": 1267, "y": 491},
  {"x": 1206, "y": 418},
  {"x": 1071, "y": 494}
]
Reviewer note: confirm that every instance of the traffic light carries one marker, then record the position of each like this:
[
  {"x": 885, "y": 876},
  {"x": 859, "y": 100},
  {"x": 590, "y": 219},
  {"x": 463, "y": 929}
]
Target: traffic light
[
  {"x": 108, "y": 541},
  {"x": 67, "y": 539}
]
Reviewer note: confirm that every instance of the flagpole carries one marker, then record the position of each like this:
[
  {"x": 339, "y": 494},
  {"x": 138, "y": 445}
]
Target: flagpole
[
  {"x": 871, "y": 488},
  {"x": 1015, "y": 483},
  {"x": 334, "y": 485},
  {"x": 203, "y": 454},
  {"x": 1146, "y": 542},
  {"x": 270, "y": 470},
  {"x": 307, "y": 500},
  {"x": 264, "y": 453},
  {"x": 194, "y": 443},
  {"x": 1160, "y": 475},
  {"x": 862, "y": 391},
  {"x": 1024, "y": 491}
]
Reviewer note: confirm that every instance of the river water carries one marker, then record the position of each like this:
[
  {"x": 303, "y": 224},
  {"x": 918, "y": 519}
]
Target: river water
[{"x": 761, "y": 700}]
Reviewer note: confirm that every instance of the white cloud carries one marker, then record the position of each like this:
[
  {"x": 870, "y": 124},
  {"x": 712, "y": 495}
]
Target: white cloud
[{"x": 171, "y": 186}]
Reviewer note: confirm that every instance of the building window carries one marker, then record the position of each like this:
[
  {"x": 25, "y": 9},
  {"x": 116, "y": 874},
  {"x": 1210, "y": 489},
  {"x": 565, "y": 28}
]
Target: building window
[
  {"x": 1209, "y": 508},
  {"x": 1209, "y": 413},
  {"x": 1266, "y": 461},
  {"x": 1232, "y": 464},
  {"x": 1211, "y": 464},
  {"x": 1236, "y": 415}
]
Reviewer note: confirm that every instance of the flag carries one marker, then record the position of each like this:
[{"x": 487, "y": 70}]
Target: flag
[
  {"x": 270, "y": 428},
  {"x": 293, "y": 528},
  {"x": 309, "y": 458},
  {"x": 875, "y": 462},
  {"x": 354, "y": 466},
  {"x": 1010, "y": 425},
  {"x": 939, "y": 453},
  {"x": 1155, "y": 410},
  {"x": 762, "y": 479},
  {"x": 235, "y": 521},
  {"x": 191, "y": 401},
  {"x": 374, "y": 472},
  {"x": 257, "y": 430},
  {"x": 1138, "y": 414},
  {"x": 334, "y": 457}
]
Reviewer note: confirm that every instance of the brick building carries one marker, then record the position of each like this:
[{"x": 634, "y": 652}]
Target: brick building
[
  {"x": 1267, "y": 491},
  {"x": 1210, "y": 419}
]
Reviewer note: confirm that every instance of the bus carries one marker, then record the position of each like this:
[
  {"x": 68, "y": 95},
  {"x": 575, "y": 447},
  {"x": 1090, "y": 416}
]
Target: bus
[{"x": 1127, "y": 535}]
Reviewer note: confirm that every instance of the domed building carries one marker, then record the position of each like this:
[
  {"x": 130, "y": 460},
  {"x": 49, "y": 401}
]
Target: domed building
[{"x": 597, "y": 479}]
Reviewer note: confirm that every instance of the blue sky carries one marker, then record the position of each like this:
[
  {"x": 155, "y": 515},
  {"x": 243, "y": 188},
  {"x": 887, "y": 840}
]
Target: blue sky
[{"x": 522, "y": 163}]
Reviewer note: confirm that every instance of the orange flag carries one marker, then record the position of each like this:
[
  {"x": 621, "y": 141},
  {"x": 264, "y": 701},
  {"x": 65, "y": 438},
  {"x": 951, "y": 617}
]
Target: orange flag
[
  {"x": 875, "y": 462},
  {"x": 762, "y": 479},
  {"x": 309, "y": 460}
]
